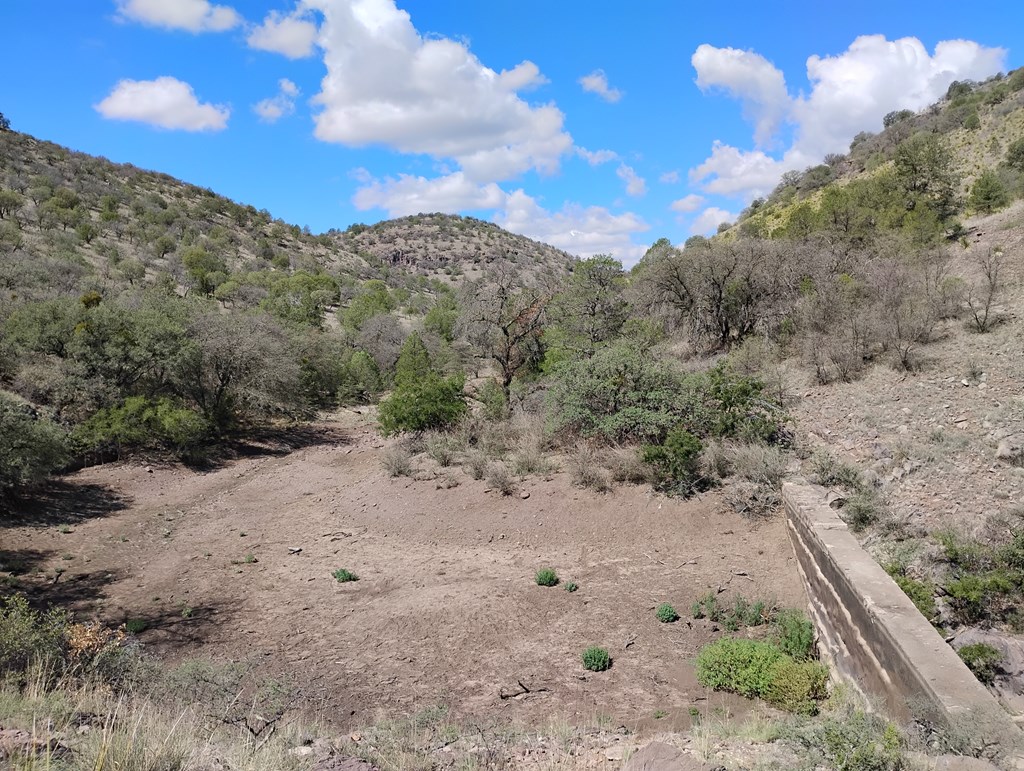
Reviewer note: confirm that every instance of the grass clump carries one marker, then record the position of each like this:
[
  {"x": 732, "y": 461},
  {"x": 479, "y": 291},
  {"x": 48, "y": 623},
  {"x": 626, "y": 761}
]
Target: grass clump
[
  {"x": 666, "y": 614},
  {"x": 829, "y": 471},
  {"x": 442, "y": 448},
  {"x": 756, "y": 668},
  {"x": 343, "y": 576},
  {"x": 500, "y": 479},
  {"x": 571, "y": 586},
  {"x": 397, "y": 461},
  {"x": 136, "y": 625},
  {"x": 742, "y": 613},
  {"x": 707, "y": 607},
  {"x": 849, "y": 740},
  {"x": 546, "y": 577},
  {"x": 862, "y": 510},
  {"x": 475, "y": 464},
  {"x": 982, "y": 659},
  {"x": 596, "y": 659},
  {"x": 585, "y": 471}
]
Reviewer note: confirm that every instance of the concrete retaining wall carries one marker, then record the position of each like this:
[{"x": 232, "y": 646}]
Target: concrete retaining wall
[{"x": 873, "y": 635}]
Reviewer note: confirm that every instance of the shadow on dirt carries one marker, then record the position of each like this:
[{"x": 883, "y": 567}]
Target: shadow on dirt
[
  {"x": 60, "y": 502},
  {"x": 180, "y": 628},
  {"x": 273, "y": 442},
  {"x": 79, "y": 592}
]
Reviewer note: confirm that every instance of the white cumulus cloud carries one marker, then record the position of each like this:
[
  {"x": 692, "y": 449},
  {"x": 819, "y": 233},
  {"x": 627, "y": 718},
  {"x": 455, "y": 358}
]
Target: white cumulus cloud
[
  {"x": 669, "y": 177},
  {"x": 751, "y": 78},
  {"x": 579, "y": 230},
  {"x": 276, "y": 107},
  {"x": 596, "y": 157},
  {"x": 850, "y": 93},
  {"x": 709, "y": 219},
  {"x": 408, "y": 194},
  {"x": 190, "y": 15},
  {"x": 635, "y": 184},
  {"x": 292, "y": 35},
  {"x": 388, "y": 85},
  {"x": 687, "y": 203},
  {"x": 165, "y": 102},
  {"x": 597, "y": 83}
]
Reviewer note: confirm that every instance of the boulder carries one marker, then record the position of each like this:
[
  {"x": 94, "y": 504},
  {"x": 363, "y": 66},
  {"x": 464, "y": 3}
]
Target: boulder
[{"x": 1011, "y": 449}]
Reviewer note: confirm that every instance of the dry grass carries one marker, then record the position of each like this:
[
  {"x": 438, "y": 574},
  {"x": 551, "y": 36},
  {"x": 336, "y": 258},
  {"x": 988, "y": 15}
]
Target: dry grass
[
  {"x": 585, "y": 469},
  {"x": 397, "y": 461}
]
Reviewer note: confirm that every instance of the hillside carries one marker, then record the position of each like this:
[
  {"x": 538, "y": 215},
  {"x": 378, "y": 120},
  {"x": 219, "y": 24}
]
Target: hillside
[
  {"x": 976, "y": 131},
  {"x": 115, "y": 220}
]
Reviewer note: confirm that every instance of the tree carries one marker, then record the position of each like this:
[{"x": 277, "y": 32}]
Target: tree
[
  {"x": 896, "y": 116},
  {"x": 988, "y": 192},
  {"x": 983, "y": 293},
  {"x": 924, "y": 170},
  {"x": 591, "y": 310},
  {"x": 413, "y": 364},
  {"x": 10, "y": 203},
  {"x": 504, "y": 320},
  {"x": 1015, "y": 155}
]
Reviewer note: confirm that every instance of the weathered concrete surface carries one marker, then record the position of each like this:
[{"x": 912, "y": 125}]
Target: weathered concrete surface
[{"x": 874, "y": 636}]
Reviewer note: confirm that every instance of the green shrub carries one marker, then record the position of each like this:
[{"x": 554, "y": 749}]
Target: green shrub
[
  {"x": 343, "y": 576},
  {"x": 596, "y": 659},
  {"x": 737, "y": 666},
  {"x": 982, "y": 659},
  {"x": 571, "y": 586},
  {"x": 755, "y": 668},
  {"x": 495, "y": 404},
  {"x": 666, "y": 613},
  {"x": 30, "y": 637},
  {"x": 746, "y": 613},
  {"x": 796, "y": 686},
  {"x": 140, "y": 422},
  {"x": 921, "y": 593},
  {"x": 546, "y": 577},
  {"x": 136, "y": 625},
  {"x": 432, "y": 402},
  {"x": 972, "y": 596},
  {"x": 32, "y": 446},
  {"x": 794, "y": 634},
  {"x": 676, "y": 462}
]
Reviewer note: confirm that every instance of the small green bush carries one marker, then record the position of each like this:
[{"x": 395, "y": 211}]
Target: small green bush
[
  {"x": 794, "y": 634},
  {"x": 546, "y": 577},
  {"x": 136, "y": 625},
  {"x": 707, "y": 607},
  {"x": 676, "y": 462},
  {"x": 921, "y": 593},
  {"x": 737, "y": 666},
  {"x": 666, "y": 613},
  {"x": 972, "y": 595},
  {"x": 571, "y": 586},
  {"x": 596, "y": 659},
  {"x": 140, "y": 422},
  {"x": 746, "y": 613},
  {"x": 343, "y": 576},
  {"x": 796, "y": 686},
  {"x": 28, "y": 636},
  {"x": 982, "y": 659},
  {"x": 755, "y": 668}
]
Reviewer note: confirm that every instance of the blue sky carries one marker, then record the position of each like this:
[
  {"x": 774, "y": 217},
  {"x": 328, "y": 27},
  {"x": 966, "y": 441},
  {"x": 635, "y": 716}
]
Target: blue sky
[{"x": 597, "y": 126}]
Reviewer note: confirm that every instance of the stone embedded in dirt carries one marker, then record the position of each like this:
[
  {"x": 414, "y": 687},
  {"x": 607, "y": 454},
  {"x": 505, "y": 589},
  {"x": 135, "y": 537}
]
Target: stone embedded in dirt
[
  {"x": 524, "y": 495},
  {"x": 15, "y": 743},
  {"x": 658, "y": 756},
  {"x": 336, "y": 763},
  {"x": 1011, "y": 449}
]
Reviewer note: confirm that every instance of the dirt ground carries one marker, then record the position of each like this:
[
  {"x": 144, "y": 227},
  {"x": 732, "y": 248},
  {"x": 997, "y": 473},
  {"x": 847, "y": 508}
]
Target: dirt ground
[{"x": 446, "y": 611}]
